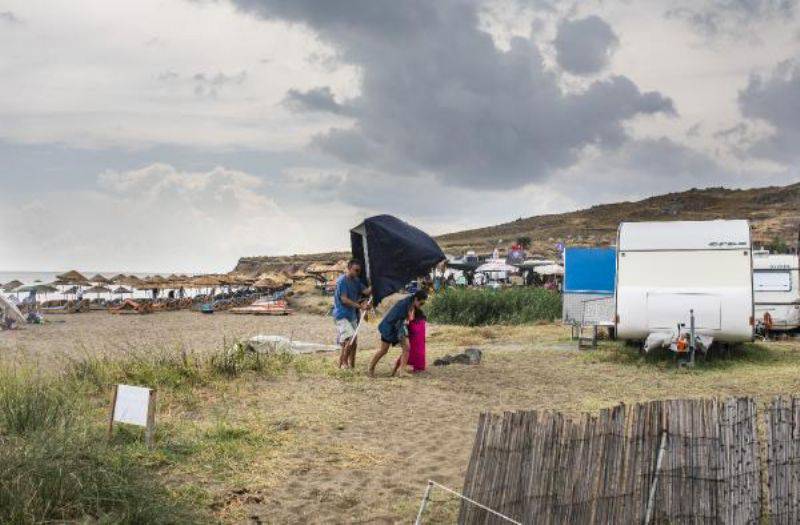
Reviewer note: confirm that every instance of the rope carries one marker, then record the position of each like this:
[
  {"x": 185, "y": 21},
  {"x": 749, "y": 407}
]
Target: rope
[{"x": 451, "y": 491}]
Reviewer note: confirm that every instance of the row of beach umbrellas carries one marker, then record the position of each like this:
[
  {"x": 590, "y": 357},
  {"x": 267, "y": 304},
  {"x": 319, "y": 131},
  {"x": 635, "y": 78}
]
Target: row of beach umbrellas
[{"x": 99, "y": 284}]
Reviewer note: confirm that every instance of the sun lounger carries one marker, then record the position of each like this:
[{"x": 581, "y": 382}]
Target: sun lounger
[
  {"x": 264, "y": 307},
  {"x": 129, "y": 306}
]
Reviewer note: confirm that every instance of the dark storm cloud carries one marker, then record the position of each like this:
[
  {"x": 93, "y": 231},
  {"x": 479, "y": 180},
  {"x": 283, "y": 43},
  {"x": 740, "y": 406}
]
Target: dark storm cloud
[
  {"x": 438, "y": 97},
  {"x": 775, "y": 99},
  {"x": 715, "y": 17},
  {"x": 584, "y": 46},
  {"x": 317, "y": 99}
]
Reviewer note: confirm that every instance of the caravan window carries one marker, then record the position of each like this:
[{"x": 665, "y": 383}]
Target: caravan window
[{"x": 772, "y": 281}]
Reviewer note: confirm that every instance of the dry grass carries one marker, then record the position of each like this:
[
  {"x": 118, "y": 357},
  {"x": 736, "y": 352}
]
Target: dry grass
[{"x": 314, "y": 444}]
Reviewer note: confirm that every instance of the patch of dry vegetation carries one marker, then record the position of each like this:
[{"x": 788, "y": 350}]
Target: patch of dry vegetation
[{"x": 295, "y": 440}]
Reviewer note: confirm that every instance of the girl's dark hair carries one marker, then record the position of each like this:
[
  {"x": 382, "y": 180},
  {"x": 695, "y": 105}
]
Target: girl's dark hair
[
  {"x": 419, "y": 314},
  {"x": 421, "y": 295}
]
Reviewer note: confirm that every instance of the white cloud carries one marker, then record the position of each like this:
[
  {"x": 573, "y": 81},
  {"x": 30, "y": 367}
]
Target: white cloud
[
  {"x": 92, "y": 74},
  {"x": 159, "y": 218}
]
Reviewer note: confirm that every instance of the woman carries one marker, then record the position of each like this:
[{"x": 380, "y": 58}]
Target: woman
[{"x": 394, "y": 329}]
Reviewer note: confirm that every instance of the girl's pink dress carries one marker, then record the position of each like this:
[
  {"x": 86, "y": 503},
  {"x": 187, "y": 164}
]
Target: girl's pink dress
[{"x": 416, "y": 344}]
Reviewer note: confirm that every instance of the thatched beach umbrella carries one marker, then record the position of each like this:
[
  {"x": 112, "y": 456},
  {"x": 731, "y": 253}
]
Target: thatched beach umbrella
[
  {"x": 37, "y": 289},
  {"x": 132, "y": 280},
  {"x": 73, "y": 277},
  {"x": 205, "y": 281},
  {"x": 319, "y": 268},
  {"x": 100, "y": 279},
  {"x": 272, "y": 281},
  {"x": 119, "y": 278},
  {"x": 122, "y": 291},
  {"x": 12, "y": 286},
  {"x": 70, "y": 291},
  {"x": 97, "y": 290},
  {"x": 236, "y": 279}
]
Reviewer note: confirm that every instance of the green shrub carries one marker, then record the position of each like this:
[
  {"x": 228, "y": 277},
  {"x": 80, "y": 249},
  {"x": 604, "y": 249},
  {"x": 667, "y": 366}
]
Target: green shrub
[
  {"x": 477, "y": 307},
  {"x": 70, "y": 476},
  {"x": 154, "y": 367},
  {"x": 233, "y": 360},
  {"x": 56, "y": 466},
  {"x": 29, "y": 404}
]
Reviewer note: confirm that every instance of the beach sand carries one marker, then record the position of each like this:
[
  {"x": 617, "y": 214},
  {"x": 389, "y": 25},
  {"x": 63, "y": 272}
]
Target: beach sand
[
  {"x": 104, "y": 333},
  {"x": 343, "y": 448}
]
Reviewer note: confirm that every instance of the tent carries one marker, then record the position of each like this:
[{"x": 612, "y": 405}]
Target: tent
[
  {"x": 496, "y": 265},
  {"x": 533, "y": 263},
  {"x": 468, "y": 263},
  {"x": 549, "y": 269},
  {"x": 394, "y": 253}
]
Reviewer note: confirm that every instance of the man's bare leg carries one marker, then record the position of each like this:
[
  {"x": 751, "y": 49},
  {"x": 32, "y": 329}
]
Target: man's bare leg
[
  {"x": 377, "y": 357},
  {"x": 352, "y": 354},
  {"x": 343, "y": 354}
]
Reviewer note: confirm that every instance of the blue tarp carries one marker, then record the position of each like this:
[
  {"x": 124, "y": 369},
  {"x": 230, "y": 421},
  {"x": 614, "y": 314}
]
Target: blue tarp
[
  {"x": 397, "y": 251},
  {"x": 590, "y": 270}
]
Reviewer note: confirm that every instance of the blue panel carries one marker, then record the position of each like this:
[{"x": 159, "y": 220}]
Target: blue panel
[{"x": 590, "y": 270}]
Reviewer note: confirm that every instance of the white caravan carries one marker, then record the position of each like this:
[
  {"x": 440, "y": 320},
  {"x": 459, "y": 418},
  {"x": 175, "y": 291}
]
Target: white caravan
[
  {"x": 776, "y": 287},
  {"x": 665, "y": 270}
]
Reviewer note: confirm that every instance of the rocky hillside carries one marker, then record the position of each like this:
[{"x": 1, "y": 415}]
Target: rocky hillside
[{"x": 774, "y": 213}]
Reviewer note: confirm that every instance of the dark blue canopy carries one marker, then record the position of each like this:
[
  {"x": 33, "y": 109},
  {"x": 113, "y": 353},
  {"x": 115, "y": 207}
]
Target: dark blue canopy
[{"x": 395, "y": 253}]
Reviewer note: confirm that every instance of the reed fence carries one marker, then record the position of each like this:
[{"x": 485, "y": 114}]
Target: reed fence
[{"x": 672, "y": 461}]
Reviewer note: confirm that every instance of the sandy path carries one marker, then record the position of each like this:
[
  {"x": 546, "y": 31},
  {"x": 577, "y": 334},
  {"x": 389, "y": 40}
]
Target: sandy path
[{"x": 101, "y": 332}]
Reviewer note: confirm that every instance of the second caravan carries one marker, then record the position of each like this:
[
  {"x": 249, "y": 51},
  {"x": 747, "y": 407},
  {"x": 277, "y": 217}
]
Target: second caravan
[
  {"x": 776, "y": 280},
  {"x": 682, "y": 279}
]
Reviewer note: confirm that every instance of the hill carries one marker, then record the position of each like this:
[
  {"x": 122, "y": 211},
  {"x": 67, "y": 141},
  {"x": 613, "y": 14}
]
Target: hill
[{"x": 774, "y": 213}]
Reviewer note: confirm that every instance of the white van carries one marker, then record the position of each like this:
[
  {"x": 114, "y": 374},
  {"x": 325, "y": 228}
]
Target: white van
[
  {"x": 776, "y": 287},
  {"x": 665, "y": 270}
]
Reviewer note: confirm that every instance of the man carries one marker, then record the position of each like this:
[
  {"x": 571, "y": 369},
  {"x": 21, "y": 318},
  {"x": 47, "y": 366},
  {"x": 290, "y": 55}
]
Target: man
[
  {"x": 394, "y": 330},
  {"x": 348, "y": 301}
]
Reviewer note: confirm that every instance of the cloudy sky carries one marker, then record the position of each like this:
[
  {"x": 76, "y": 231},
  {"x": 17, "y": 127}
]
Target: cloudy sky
[{"x": 178, "y": 135}]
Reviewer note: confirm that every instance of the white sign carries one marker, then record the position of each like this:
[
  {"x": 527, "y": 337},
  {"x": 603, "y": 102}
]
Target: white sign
[{"x": 132, "y": 405}]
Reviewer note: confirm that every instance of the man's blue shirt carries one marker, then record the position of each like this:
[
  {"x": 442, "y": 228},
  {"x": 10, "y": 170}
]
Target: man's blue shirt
[{"x": 353, "y": 289}]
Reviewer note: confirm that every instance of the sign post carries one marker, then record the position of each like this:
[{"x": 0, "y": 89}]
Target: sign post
[{"x": 134, "y": 405}]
